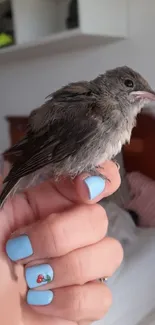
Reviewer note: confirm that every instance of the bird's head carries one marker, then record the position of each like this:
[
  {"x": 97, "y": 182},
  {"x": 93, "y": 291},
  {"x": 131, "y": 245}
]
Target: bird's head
[{"x": 128, "y": 88}]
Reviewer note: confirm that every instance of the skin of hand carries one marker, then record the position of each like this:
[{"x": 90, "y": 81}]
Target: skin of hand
[{"x": 66, "y": 231}]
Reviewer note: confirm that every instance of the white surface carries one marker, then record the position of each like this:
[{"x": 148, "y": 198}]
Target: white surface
[
  {"x": 102, "y": 17},
  {"x": 56, "y": 43},
  {"x": 133, "y": 285},
  {"x": 33, "y": 19},
  {"x": 40, "y": 23},
  {"x": 62, "y": 14},
  {"x": 25, "y": 84},
  {"x": 149, "y": 319}
]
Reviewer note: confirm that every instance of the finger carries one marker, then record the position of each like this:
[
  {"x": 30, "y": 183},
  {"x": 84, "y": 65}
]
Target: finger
[
  {"x": 33, "y": 318},
  {"x": 76, "y": 303},
  {"x": 85, "y": 322},
  {"x": 39, "y": 202},
  {"x": 91, "y": 189},
  {"x": 61, "y": 195},
  {"x": 59, "y": 234},
  {"x": 76, "y": 268}
]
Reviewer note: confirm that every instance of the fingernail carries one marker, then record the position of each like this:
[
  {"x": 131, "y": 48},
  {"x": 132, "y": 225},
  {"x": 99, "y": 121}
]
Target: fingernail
[
  {"x": 19, "y": 248},
  {"x": 95, "y": 185},
  {"x": 38, "y": 275},
  {"x": 39, "y": 298}
]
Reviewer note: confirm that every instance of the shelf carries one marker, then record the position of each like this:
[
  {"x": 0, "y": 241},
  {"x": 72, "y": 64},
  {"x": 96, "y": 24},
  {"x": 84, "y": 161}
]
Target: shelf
[
  {"x": 58, "y": 43},
  {"x": 40, "y": 27}
]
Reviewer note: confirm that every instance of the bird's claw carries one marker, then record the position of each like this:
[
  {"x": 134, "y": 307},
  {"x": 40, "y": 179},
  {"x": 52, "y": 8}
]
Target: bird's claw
[
  {"x": 116, "y": 163},
  {"x": 98, "y": 173}
]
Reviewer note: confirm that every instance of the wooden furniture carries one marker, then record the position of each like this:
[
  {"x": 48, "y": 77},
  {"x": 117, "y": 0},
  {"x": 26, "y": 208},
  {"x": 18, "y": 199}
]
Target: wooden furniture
[
  {"x": 139, "y": 155},
  {"x": 17, "y": 127}
]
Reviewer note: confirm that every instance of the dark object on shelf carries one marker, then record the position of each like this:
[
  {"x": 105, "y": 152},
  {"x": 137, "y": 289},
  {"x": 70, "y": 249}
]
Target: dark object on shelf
[
  {"x": 72, "y": 20},
  {"x": 6, "y": 25},
  {"x": 5, "y": 40}
]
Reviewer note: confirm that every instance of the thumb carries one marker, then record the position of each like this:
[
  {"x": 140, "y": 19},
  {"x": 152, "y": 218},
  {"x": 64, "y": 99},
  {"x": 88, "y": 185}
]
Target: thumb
[{"x": 91, "y": 189}]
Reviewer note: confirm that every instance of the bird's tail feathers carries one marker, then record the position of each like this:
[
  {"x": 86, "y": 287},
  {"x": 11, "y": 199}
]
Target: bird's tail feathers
[
  {"x": 17, "y": 148},
  {"x": 8, "y": 190}
]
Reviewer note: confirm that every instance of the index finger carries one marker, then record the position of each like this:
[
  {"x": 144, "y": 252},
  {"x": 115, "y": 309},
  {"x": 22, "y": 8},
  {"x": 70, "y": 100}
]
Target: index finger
[{"x": 50, "y": 197}]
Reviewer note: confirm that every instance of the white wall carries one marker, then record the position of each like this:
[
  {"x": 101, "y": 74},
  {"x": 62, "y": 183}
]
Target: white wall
[{"x": 24, "y": 85}]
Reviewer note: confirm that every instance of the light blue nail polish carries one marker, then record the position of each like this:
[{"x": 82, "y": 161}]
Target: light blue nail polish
[
  {"x": 95, "y": 185},
  {"x": 38, "y": 275},
  {"x": 19, "y": 248},
  {"x": 39, "y": 298}
]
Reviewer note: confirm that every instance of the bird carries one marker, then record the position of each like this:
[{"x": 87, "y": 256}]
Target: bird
[{"x": 78, "y": 128}]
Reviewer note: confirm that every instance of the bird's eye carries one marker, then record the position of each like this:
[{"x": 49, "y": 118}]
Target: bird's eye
[{"x": 128, "y": 83}]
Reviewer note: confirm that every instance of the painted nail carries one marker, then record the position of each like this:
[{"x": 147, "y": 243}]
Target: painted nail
[
  {"x": 95, "y": 185},
  {"x": 38, "y": 275},
  {"x": 39, "y": 298},
  {"x": 19, "y": 248}
]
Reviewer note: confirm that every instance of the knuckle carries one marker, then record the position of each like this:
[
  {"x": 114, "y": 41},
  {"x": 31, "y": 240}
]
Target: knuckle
[
  {"x": 118, "y": 251},
  {"x": 104, "y": 302},
  {"x": 116, "y": 255},
  {"x": 59, "y": 234},
  {"x": 102, "y": 213},
  {"x": 52, "y": 238},
  {"x": 98, "y": 220},
  {"x": 78, "y": 301},
  {"x": 107, "y": 299},
  {"x": 77, "y": 268},
  {"x": 81, "y": 301}
]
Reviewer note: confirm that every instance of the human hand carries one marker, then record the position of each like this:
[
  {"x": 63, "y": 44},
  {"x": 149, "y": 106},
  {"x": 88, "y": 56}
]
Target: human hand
[{"x": 59, "y": 232}]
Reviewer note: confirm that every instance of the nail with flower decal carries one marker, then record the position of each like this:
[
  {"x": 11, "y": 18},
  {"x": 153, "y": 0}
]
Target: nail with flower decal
[
  {"x": 38, "y": 275},
  {"x": 41, "y": 278}
]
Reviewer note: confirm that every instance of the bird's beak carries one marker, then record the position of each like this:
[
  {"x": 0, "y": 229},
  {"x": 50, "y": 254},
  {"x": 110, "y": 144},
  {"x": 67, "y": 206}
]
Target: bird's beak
[{"x": 149, "y": 95}]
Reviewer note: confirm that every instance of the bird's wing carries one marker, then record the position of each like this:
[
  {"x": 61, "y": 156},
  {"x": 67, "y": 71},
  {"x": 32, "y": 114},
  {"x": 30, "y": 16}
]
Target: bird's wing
[
  {"x": 57, "y": 130},
  {"x": 74, "y": 91},
  {"x": 74, "y": 96},
  {"x": 16, "y": 149},
  {"x": 71, "y": 99},
  {"x": 54, "y": 147}
]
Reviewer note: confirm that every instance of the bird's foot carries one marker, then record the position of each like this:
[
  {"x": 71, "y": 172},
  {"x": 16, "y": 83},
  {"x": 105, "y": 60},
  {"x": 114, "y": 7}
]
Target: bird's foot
[
  {"x": 96, "y": 171},
  {"x": 116, "y": 163}
]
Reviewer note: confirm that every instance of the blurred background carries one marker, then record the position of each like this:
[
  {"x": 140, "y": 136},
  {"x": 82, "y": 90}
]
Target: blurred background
[
  {"x": 45, "y": 44},
  {"x": 48, "y": 51}
]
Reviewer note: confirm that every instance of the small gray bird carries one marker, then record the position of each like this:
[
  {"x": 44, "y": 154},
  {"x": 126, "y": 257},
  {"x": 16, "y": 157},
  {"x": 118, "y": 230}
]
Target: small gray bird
[{"x": 79, "y": 127}]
